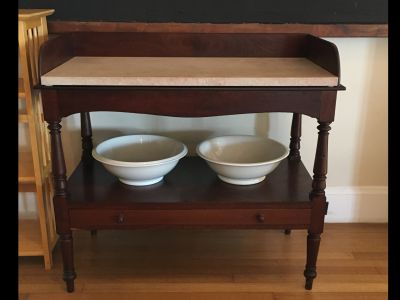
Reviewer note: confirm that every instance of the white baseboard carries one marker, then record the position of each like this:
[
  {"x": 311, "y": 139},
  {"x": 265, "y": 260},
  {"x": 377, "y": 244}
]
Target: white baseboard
[{"x": 357, "y": 204}]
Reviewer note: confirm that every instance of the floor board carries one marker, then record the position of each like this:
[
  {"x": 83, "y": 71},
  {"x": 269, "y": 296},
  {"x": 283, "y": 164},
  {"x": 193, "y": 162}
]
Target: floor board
[{"x": 220, "y": 264}]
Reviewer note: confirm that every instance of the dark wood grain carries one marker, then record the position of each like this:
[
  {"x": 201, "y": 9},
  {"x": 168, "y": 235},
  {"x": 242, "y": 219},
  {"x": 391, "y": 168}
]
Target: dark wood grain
[
  {"x": 92, "y": 186},
  {"x": 320, "y": 163},
  {"x": 192, "y": 102},
  {"x": 294, "y": 146},
  {"x": 321, "y": 30},
  {"x": 328, "y": 106},
  {"x": 59, "y": 199},
  {"x": 86, "y": 134},
  {"x": 54, "y": 52},
  {"x": 323, "y": 53},
  {"x": 63, "y": 47},
  {"x": 255, "y": 218},
  {"x": 68, "y": 260},
  {"x": 186, "y": 44},
  {"x": 191, "y": 195},
  {"x": 59, "y": 179},
  {"x": 295, "y": 137},
  {"x": 318, "y": 200},
  {"x": 57, "y": 157},
  {"x": 313, "y": 241}
]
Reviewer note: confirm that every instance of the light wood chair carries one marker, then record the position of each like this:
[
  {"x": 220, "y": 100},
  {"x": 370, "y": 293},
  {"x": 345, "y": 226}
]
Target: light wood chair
[{"x": 37, "y": 237}]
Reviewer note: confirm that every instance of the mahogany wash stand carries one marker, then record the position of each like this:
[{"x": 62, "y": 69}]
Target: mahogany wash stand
[{"x": 191, "y": 196}]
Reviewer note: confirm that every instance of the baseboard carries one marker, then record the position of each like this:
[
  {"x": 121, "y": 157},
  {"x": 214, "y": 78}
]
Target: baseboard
[{"x": 357, "y": 204}]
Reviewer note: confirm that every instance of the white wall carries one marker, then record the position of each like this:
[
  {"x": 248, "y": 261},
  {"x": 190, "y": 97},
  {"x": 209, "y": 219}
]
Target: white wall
[
  {"x": 357, "y": 176},
  {"x": 358, "y": 147}
]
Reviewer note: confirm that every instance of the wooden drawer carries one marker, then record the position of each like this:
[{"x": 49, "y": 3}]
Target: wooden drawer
[{"x": 112, "y": 218}]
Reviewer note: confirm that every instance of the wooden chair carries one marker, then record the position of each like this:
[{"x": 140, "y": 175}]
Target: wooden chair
[{"x": 37, "y": 237}]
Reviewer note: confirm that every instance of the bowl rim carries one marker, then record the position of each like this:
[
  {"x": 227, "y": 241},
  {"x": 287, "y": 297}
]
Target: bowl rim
[
  {"x": 120, "y": 163},
  {"x": 278, "y": 159}
]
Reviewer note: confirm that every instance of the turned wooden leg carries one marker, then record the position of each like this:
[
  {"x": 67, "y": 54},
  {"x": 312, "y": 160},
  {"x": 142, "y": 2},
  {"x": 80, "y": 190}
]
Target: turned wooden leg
[
  {"x": 319, "y": 204},
  {"x": 310, "y": 272},
  {"x": 294, "y": 146},
  {"x": 87, "y": 145},
  {"x": 295, "y": 137},
  {"x": 60, "y": 203},
  {"x": 86, "y": 134},
  {"x": 68, "y": 261}
]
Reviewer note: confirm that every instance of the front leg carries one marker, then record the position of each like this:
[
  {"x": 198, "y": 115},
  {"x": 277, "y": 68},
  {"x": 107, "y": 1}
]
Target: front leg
[
  {"x": 68, "y": 260},
  {"x": 60, "y": 203},
  {"x": 310, "y": 272},
  {"x": 319, "y": 204}
]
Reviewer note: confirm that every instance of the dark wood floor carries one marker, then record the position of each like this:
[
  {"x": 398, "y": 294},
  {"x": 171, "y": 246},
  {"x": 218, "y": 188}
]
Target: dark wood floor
[{"x": 220, "y": 264}]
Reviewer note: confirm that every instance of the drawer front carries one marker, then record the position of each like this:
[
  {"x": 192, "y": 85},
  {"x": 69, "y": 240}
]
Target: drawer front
[{"x": 88, "y": 218}]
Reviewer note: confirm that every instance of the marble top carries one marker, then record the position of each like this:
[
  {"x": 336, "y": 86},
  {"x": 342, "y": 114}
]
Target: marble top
[{"x": 189, "y": 71}]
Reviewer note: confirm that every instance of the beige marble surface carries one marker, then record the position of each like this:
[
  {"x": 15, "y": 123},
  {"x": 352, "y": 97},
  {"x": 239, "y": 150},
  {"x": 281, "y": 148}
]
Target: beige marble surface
[{"x": 189, "y": 71}]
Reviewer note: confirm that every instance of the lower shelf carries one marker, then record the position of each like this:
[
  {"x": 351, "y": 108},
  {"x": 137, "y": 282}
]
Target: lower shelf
[
  {"x": 192, "y": 184},
  {"x": 191, "y": 195}
]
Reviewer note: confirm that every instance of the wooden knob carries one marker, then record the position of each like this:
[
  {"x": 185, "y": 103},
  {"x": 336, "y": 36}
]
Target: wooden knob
[
  {"x": 260, "y": 218},
  {"x": 120, "y": 218}
]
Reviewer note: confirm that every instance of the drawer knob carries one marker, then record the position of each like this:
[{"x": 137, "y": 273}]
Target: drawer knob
[
  {"x": 260, "y": 218},
  {"x": 120, "y": 218}
]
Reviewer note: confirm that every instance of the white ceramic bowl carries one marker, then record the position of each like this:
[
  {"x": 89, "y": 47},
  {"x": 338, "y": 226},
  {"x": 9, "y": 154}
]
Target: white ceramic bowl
[
  {"x": 242, "y": 159},
  {"x": 139, "y": 159}
]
